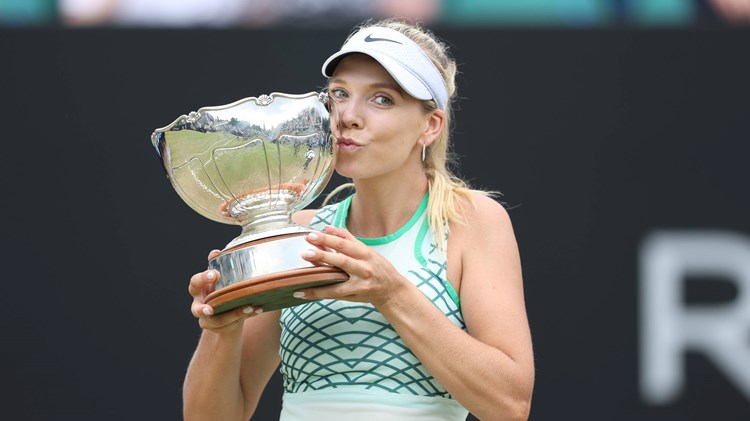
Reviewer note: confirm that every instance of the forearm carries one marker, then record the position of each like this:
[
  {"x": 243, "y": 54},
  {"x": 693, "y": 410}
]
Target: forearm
[
  {"x": 212, "y": 389},
  {"x": 484, "y": 379}
]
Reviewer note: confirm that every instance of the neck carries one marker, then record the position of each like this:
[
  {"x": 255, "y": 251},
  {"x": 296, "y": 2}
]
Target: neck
[{"x": 380, "y": 208}]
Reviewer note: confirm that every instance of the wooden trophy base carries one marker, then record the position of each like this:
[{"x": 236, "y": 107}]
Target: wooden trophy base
[{"x": 274, "y": 291}]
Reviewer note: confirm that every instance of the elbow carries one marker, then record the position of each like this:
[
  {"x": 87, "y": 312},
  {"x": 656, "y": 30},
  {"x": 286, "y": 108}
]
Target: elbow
[
  {"x": 515, "y": 406},
  {"x": 517, "y": 409},
  {"x": 520, "y": 410},
  {"x": 509, "y": 410},
  {"x": 520, "y": 405}
]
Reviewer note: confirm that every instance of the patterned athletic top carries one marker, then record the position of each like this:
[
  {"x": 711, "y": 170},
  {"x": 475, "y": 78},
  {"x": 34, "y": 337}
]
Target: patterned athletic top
[{"x": 339, "y": 356}]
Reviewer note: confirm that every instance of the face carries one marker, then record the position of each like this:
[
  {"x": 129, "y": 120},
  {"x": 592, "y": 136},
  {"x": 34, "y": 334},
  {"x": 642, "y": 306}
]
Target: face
[{"x": 379, "y": 128}]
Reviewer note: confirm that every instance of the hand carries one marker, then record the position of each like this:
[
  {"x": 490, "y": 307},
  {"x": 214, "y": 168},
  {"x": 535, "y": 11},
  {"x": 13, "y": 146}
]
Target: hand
[
  {"x": 372, "y": 278},
  {"x": 202, "y": 284}
]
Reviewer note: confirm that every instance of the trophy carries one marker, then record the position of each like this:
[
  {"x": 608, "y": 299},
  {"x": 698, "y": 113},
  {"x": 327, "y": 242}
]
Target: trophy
[{"x": 253, "y": 163}]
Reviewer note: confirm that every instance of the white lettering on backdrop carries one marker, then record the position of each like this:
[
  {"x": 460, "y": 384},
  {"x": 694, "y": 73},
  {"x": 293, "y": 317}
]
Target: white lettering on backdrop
[{"x": 669, "y": 327}]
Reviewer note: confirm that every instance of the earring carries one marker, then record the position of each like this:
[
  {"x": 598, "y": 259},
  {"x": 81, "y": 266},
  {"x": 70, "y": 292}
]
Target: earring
[{"x": 424, "y": 148}]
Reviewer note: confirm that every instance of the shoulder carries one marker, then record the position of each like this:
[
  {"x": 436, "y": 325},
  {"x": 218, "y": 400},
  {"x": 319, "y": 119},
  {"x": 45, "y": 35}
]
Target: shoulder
[
  {"x": 485, "y": 227},
  {"x": 480, "y": 213}
]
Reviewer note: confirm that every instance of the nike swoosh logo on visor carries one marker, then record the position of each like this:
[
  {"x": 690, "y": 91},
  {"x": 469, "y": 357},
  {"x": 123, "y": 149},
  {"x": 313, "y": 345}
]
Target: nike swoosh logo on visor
[{"x": 369, "y": 38}]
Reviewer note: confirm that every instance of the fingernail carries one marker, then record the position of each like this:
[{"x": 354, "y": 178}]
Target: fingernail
[
  {"x": 207, "y": 311},
  {"x": 313, "y": 236},
  {"x": 210, "y": 275},
  {"x": 298, "y": 294},
  {"x": 308, "y": 253},
  {"x": 248, "y": 310}
]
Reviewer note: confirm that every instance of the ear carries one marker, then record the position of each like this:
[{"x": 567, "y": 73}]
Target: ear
[{"x": 433, "y": 127}]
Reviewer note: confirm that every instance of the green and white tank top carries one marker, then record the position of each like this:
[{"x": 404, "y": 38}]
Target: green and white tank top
[{"x": 339, "y": 356}]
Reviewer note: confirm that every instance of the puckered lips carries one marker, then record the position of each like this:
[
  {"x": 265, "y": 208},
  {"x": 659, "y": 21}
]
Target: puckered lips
[{"x": 347, "y": 145}]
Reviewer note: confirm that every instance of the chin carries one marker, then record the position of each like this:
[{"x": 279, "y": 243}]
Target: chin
[
  {"x": 345, "y": 170},
  {"x": 350, "y": 175}
]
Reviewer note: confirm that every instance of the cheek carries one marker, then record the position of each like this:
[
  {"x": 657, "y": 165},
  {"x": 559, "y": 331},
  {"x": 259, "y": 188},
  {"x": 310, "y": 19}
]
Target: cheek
[{"x": 405, "y": 136}]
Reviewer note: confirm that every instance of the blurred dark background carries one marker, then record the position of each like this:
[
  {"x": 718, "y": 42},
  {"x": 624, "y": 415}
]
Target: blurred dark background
[{"x": 616, "y": 130}]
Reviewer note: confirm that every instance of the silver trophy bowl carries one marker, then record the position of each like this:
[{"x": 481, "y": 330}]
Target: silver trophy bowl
[{"x": 254, "y": 163}]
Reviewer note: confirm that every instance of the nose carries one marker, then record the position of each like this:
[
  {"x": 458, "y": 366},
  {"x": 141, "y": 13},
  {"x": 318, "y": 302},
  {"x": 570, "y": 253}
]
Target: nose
[{"x": 347, "y": 114}]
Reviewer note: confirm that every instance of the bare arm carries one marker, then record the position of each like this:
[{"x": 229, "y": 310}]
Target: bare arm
[
  {"x": 490, "y": 370},
  {"x": 236, "y": 356}
]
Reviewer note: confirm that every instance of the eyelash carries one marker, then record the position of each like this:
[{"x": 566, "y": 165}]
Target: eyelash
[
  {"x": 332, "y": 93},
  {"x": 336, "y": 95},
  {"x": 390, "y": 101}
]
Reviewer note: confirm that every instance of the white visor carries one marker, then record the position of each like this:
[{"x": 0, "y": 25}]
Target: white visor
[{"x": 401, "y": 57}]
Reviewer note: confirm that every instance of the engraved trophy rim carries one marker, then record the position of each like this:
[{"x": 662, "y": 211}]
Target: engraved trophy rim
[{"x": 262, "y": 100}]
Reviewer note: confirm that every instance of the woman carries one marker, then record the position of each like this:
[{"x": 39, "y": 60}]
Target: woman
[{"x": 432, "y": 322}]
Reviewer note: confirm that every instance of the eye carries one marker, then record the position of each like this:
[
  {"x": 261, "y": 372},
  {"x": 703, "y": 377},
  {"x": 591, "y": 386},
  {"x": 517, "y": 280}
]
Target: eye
[
  {"x": 383, "y": 100},
  {"x": 337, "y": 93}
]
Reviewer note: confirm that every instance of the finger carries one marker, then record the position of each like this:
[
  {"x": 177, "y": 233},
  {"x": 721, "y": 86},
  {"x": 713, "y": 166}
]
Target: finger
[
  {"x": 200, "y": 309},
  {"x": 225, "y": 319},
  {"x": 339, "y": 232},
  {"x": 318, "y": 257},
  {"x": 201, "y": 284},
  {"x": 331, "y": 291},
  {"x": 339, "y": 240},
  {"x": 213, "y": 253}
]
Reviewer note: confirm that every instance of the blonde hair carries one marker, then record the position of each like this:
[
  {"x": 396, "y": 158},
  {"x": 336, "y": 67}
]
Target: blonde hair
[{"x": 446, "y": 189}]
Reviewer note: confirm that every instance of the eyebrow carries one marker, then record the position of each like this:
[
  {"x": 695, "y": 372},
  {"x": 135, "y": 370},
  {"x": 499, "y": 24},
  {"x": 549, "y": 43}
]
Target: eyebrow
[{"x": 386, "y": 85}]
